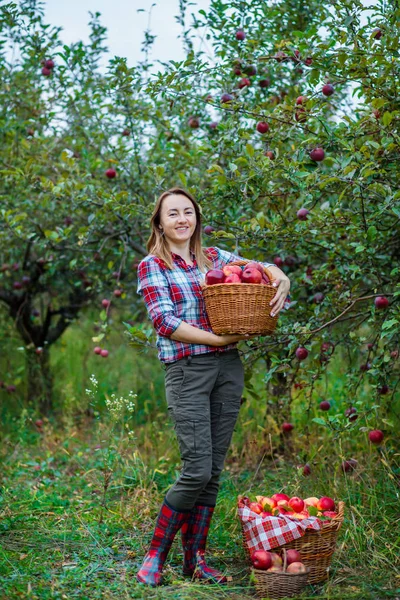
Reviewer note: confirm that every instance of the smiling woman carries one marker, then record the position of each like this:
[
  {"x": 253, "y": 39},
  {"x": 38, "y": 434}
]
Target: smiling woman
[{"x": 204, "y": 377}]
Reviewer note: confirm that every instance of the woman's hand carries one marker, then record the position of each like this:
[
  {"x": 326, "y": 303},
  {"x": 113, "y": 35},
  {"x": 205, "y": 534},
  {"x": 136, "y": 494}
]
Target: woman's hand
[
  {"x": 282, "y": 284},
  {"x": 231, "y": 338}
]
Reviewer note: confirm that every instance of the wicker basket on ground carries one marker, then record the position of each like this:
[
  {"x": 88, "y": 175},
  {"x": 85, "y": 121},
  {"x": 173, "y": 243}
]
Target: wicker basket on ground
[
  {"x": 279, "y": 585},
  {"x": 316, "y": 547},
  {"x": 240, "y": 307}
]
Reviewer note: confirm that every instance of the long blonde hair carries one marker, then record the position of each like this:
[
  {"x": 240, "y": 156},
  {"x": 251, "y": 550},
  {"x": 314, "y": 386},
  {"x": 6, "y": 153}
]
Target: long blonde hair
[{"x": 158, "y": 245}]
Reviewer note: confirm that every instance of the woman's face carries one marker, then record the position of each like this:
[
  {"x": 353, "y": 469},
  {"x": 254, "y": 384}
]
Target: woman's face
[{"x": 178, "y": 219}]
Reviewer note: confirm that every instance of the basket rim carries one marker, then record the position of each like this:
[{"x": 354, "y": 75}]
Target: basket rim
[{"x": 281, "y": 573}]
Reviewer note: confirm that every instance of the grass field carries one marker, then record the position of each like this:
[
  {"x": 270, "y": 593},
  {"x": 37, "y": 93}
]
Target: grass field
[
  {"x": 79, "y": 495},
  {"x": 77, "y": 513}
]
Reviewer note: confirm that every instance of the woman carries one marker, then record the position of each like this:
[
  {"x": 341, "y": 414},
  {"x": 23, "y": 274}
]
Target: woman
[{"x": 203, "y": 380}]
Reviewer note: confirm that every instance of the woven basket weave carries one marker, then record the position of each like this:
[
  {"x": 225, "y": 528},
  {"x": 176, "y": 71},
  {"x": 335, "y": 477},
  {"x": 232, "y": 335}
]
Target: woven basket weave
[
  {"x": 240, "y": 307},
  {"x": 316, "y": 547},
  {"x": 279, "y": 585}
]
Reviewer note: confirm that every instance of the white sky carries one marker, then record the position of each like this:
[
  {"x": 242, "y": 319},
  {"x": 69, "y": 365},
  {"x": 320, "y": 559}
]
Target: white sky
[{"x": 124, "y": 24}]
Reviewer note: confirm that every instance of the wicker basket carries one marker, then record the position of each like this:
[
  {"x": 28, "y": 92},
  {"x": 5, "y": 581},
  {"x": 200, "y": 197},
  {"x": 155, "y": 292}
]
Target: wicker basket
[
  {"x": 240, "y": 307},
  {"x": 279, "y": 585},
  {"x": 316, "y": 547}
]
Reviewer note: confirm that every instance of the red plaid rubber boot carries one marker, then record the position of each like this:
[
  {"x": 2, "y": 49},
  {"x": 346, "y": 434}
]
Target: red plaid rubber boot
[
  {"x": 168, "y": 523},
  {"x": 194, "y": 539}
]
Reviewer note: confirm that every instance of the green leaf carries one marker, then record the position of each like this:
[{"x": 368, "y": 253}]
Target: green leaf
[
  {"x": 250, "y": 149},
  {"x": 387, "y": 118},
  {"x": 319, "y": 421},
  {"x": 371, "y": 233}
]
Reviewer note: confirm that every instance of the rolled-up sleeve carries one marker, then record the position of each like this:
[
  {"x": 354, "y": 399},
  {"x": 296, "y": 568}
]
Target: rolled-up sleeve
[{"x": 153, "y": 286}]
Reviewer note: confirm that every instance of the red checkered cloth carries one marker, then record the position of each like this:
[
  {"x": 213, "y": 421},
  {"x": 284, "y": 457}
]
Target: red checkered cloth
[{"x": 266, "y": 533}]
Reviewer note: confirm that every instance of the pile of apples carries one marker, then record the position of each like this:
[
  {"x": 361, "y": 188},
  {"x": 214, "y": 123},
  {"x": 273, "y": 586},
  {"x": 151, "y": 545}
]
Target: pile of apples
[
  {"x": 273, "y": 563},
  {"x": 252, "y": 272},
  {"x": 281, "y": 504}
]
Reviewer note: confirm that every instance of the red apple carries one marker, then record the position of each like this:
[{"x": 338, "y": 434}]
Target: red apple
[
  {"x": 301, "y": 353},
  {"x": 377, "y": 33},
  {"x": 312, "y": 501},
  {"x": 292, "y": 556},
  {"x": 349, "y": 465},
  {"x": 324, "y": 405},
  {"x": 232, "y": 269},
  {"x": 214, "y": 276},
  {"x": 126, "y": 132},
  {"x": 240, "y": 35},
  {"x": 328, "y": 89},
  {"x": 225, "y": 98},
  {"x": 255, "y": 265},
  {"x": 296, "y": 503},
  {"x": 117, "y": 293},
  {"x": 375, "y": 437},
  {"x": 250, "y": 70},
  {"x": 384, "y": 389},
  {"x": 262, "y": 127},
  {"x": 394, "y": 354},
  {"x": 244, "y": 82},
  {"x": 268, "y": 504},
  {"x": 306, "y": 470},
  {"x": 381, "y": 302},
  {"x": 317, "y": 154},
  {"x": 270, "y": 154},
  {"x": 330, "y": 513},
  {"x": 296, "y": 567},
  {"x": 39, "y": 350},
  {"x": 11, "y": 389},
  {"x": 208, "y": 229},
  {"x": 308, "y": 61},
  {"x": 326, "y": 503},
  {"x": 318, "y": 298},
  {"x": 302, "y": 214},
  {"x": 350, "y": 411},
  {"x": 194, "y": 122},
  {"x": 213, "y": 125},
  {"x": 111, "y": 173},
  {"x": 283, "y": 505},
  {"x": 105, "y": 303},
  {"x": 261, "y": 559},
  {"x": 256, "y": 507},
  {"x": 301, "y": 100},
  {"x": 104, "y": 353},
  {"x": 300, "y": 115},
  {"x": 17, "y": 285},
  {"x": 276, "y": 560},
  {"x": 97, "y": 350},
  {"x": 49, "y": 64},
  {"x": 232, "y": 278},
  {"x": 46, "y": 72},
  {"x": 287, "y": 427},
  {"x": 251, "y": 275},
  {"x": 280, "y": 496},
  {"x": 264, "y": 83},
  {"x": 278, "y": 261}
]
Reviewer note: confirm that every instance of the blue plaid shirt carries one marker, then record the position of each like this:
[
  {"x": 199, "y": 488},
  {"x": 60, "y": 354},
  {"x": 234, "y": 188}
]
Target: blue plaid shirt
[{"x": 173, "y": 296}]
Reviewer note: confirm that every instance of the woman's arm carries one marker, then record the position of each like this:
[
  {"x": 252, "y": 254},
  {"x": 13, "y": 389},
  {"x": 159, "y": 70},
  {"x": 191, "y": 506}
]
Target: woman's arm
[{"x": 192, "y": 335}]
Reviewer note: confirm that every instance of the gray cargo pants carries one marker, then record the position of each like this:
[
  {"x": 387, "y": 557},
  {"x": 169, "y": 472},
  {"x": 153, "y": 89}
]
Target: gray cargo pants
[{"x": 203, "y": 396}]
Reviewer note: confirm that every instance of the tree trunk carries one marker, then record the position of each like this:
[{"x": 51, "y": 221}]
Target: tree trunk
[{"x": 40, "y": 380}]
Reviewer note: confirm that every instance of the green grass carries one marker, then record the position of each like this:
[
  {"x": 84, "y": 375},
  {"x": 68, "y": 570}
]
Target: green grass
[
  {"x": 79, "y": 499},
  {"x": 78, "y": 508}
]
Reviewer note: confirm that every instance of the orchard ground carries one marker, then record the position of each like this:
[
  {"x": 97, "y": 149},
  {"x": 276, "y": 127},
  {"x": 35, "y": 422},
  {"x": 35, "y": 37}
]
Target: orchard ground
[{"x": 78, "y": 500}]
